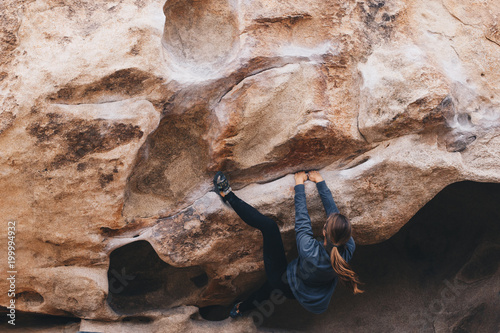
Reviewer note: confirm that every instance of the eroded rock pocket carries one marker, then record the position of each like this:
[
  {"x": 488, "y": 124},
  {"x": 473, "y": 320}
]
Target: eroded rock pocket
[{"x": 138, "y": 280}]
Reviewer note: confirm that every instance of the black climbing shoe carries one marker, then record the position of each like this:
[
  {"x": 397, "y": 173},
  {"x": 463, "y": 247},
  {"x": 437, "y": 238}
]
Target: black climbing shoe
[
  {"x": 235, "y": 311},
  {"x": 221, "y": 184}
]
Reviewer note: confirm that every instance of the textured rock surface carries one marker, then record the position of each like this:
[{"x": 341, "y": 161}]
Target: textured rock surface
[{"x": 115, "y": 114}]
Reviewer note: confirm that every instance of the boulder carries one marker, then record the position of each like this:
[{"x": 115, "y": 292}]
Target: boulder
[{"x": 115, "y": 116}]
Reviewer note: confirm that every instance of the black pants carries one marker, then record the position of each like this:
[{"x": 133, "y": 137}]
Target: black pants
[{"x": 275, "y": 262}]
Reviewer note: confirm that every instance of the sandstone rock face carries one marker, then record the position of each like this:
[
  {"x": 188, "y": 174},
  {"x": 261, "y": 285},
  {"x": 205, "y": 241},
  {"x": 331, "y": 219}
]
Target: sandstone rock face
[{"x": 116, "y": 114}]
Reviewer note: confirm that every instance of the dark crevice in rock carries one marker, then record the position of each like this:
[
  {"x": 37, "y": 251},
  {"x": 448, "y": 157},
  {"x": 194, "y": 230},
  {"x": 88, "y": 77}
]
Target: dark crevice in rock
[
  {"x": 215, "y": 312},
  {"x": 137, "y": 320},
  {"x": 30, "y": 298},
  {"x": 33, "y": 322},
  {"x": 289, "y": 18},
  {"x": 201, "y": 280},
  {"x": 358, "y": 163},
  {"x": 140, "y": 281}
]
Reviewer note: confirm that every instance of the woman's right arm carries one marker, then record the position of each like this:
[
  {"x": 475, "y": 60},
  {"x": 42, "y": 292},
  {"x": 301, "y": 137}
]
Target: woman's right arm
[
  {"x": 348, "y": 250},
  {"x": 327, "y": 198},
  {"x": 303, "y": 228}
]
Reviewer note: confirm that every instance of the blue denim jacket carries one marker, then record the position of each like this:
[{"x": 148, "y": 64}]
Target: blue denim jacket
[{"x": 311, "y": 276}]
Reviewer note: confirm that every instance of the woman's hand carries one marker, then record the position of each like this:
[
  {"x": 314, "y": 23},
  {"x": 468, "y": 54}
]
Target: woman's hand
[
  {"x": 315, "y": 176},
  {"x": 300, "y": 177}
]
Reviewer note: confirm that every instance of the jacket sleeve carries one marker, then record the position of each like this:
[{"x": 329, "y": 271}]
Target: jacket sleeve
[
  {"x": 306, "y": 244},
  {"x": 326, "y": 198},
  {"x": 348, "y": 250}
]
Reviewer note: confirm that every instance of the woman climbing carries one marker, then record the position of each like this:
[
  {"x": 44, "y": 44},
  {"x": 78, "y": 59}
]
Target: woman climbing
[{"x": 312, "y": 277}]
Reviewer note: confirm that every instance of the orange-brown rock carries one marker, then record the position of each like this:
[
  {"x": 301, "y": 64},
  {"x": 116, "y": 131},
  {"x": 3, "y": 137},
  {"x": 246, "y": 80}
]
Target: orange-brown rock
[{"x": 115, "y": 116}]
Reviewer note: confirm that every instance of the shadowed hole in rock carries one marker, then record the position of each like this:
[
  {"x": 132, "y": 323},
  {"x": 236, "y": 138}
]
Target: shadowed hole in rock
[
  {"x": 200, "y": 280},
  {"x": 36, "y": 322},
  {"x": 140, "y": 281},
  {"x": 29, "y": 298},
  {"x": 137, "y": 320},
  {"x": 412, "y": 280},
  {"x": 215, "y": 312}
]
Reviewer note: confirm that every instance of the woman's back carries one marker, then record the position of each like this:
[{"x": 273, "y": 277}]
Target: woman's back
[{"x": 311, "y": 276}]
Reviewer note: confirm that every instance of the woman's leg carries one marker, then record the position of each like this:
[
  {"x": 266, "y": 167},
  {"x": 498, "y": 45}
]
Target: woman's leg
[
  {"x": 257, "y": 297},
  {"x": 275, "y": 262},
  {"x": 249, "y": 214},
  {"x": 264, "y": 293}
]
